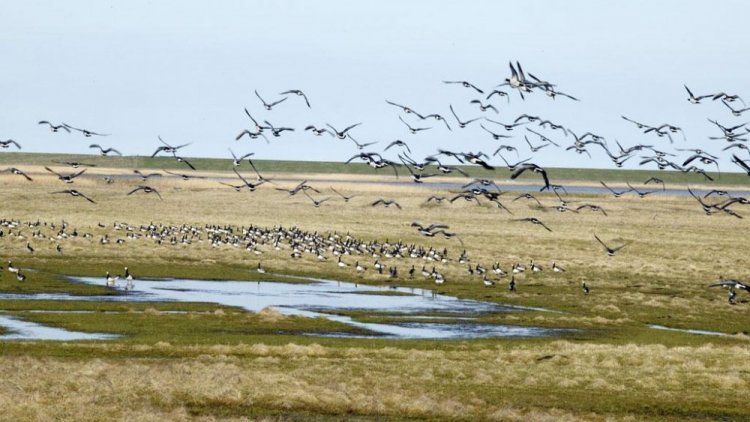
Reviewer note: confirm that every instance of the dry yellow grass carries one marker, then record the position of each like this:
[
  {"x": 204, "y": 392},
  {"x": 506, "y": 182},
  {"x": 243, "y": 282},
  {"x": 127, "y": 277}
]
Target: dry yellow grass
[
  {"x": 674, "y": 251},
  {"x": 388, "y": 382}
]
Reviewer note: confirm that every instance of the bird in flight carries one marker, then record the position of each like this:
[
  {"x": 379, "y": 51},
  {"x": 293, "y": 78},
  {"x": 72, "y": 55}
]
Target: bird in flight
[
  {"x": 610, "y": 251},
  {"x": 465, "y": 84},
  {"x": 67, "y": 178},
  {"x": 105, "y": 151},
  {"x": 87, "y": 133},
  {"x": 298, "y": 93},
  {"x": 54, "y": 128},
  {"x": 18, "y": 172},
  {"x": 534, "y": 220},
  {"x": 145, "y": 189},
  {"x": 168, "y": 148},
  {"x": 269, "y": 106},
  {"x": 8, "y": 143},
  {"x": 73, "y": 192}
]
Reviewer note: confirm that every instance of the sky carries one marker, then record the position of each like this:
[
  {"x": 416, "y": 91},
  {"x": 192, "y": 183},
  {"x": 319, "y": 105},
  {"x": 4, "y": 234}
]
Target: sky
[{"x": 185, "y": 70}]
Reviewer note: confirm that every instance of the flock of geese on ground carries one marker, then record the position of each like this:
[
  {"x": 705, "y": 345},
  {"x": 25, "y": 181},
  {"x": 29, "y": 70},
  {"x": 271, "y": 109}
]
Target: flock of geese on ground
[{"x": 538, "y": 133}]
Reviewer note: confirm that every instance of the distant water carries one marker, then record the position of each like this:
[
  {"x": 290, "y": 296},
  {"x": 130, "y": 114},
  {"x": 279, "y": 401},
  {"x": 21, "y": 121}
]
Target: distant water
[{"x": 324, "y": 298}]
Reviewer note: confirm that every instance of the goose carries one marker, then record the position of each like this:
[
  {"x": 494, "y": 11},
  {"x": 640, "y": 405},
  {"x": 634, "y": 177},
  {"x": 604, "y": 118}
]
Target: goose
[
  {"x": 359, "y": 268},
  {"x": 360, "y": 146},
  {"x": 253, "y": 135},
  {"x": 398, "y": 143},
  {"x": 345, "y": 197},
  {"x": 8, "y": 143},
  {"x": 260, "y": 269},
  {"x": 236, "y": 161},
  {"x": 413, "y": 130},
  {"x": 341, "y": 264},
  {"x": 105, "y": 151},
  {"x": 535, "y": 267},
  {"x": 641, "y": 194},
  {"x": 617, "y": 194},
  {"x": 542, "y": 137},
  {"x": 85, "y": 132},
  {"x": 638, "y": 124},
  {"x": 111, "y": 281},
  {"x": 484, "y": 107},
  {"x": 487, "y": 282},
  {"x": 412, "y": 270},
  {"x": 393, "y": 273},
  {"x": 477, "y": 159},
  {"x": 407, "y": 110},
  {"x": 436, "y": 117},
  {"x": 556, "y": 268},
  {"x": 507, "y": 126},
  {"x": 386, "y": 203},
  {"x": 499, "y": 94},
  {"x": 439, "y": 278},
  {"x": 184, "y": 176},
  {"x": 592, "y": 207},
  {"x": 534, "y": 220},
  {"x": 298, "y": 93},
  {"x": 277, "y": 131},
  {"x": 437, "y": 199},
  {"x": 497, "y": 137},
  {"x": 465, "y": 84},
  {"x": 449, "y": 169},
  {"x": 318, "y": 131},
  {"x": 610, "y": 251},
  {"x": 182, "y": 160},
  {"x": 532, "y": 147},
  {"x": 66, "y": 178},
  {"x": 316, "y": 203},
  {"x": 512, "y": 284},
  {"x": 741, "y": 163},
  {"x": 416, "y": 177},
  {"x": 585, "y": 288},
  {"x": 736, "y": 112},
  {"x": 144, "y": 176},
  {"x": 726, "y": 98},
  {"x": 518, "y": 268},
  {"x": 534, "y": 168},
  {"x": 128, "y": 280},
  {"x": 54, "y": 128},
  {"x": 498, "y": 270},
  {"x": 342, "y": 134},
  {"x": 693, "y": 99},
  {"x": 29, "y": 248},
  {"x": 168, "y": 148},
  {"x": 18, "y": 172},
  {"x": 73, "y": 192},
  {"x": 271, "y": 105},
  {"x": 462, "y": 124},
  {"x": 730, "y": 283},
  {"x": 11, "y": 268},
  {"x": 20, "y": 276},
  {"x": 145, "y": 189},
  {"x": 425, "y": 273}
]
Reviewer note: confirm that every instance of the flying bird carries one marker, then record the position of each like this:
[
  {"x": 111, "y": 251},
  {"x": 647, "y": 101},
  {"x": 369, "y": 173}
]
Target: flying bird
[
  {"x": 54, "y": 128},
  {"x": 75, "y": 193},
  {"x": 298, "y": 93},
  {"x": 145, "y": 189},
  {"x": 18, "y": 172},
  {"x": 8, "y": 143},
  {"x": 610, "y": 251},
  {"x": 105, "y": 151},
  {"x": 85, "y": 132},
  {"x": 267, "y": 105},
  {"x": 465, "y": 84}
]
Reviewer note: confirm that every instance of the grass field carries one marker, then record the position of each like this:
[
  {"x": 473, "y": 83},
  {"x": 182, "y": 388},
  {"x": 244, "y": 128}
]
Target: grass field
[
  {"x": 220, "y": 363},
  {"x": 358, "y": 168}
]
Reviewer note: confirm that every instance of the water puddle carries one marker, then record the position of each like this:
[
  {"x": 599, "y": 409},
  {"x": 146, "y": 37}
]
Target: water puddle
[
  {"x": 689, "y": 331},
  {"x": 325, "y": 298},
  {"x": 24, "y": 330}
]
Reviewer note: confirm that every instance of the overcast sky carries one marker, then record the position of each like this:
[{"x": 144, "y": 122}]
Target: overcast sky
[{"x": 186, "y": 69}]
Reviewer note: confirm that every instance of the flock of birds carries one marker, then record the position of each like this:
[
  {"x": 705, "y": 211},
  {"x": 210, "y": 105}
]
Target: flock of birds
[{"x": 538, "y": 133}]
